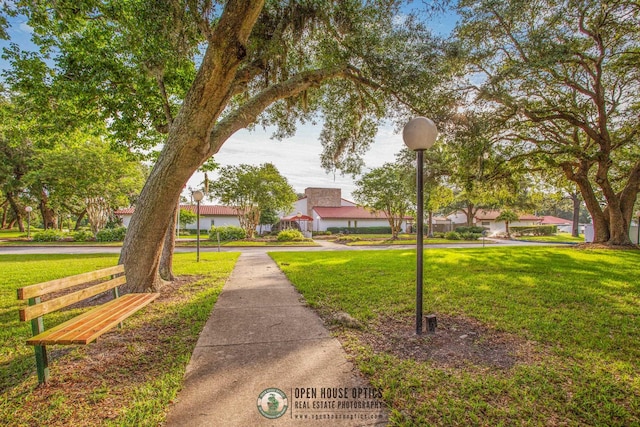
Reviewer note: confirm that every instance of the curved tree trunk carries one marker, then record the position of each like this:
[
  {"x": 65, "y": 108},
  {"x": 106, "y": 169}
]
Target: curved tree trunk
[
  {"x": 79, "y": 220},
  {"x": 196, "y": 134},
  {"x": 610, "y": 225},
  {"x": 430, "y": 222},
  {"x": 575, "y": 228},
  {"x": 166, "y": 260},
  {"x": 5, "y": 213},
  {"x": 16, "y": 211},
  {"x": 49, "y": 217},
  {"x": 188, "y": 144}
]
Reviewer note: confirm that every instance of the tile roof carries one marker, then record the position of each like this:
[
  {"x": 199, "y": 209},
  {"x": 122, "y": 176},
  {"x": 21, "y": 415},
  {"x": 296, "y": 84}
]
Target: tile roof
[
  {"x": 206, "y": 210},
  {"x": 491, "y": 215},
  {"x": 348, "y": 212},
  {"x": 548, "y": 219}
]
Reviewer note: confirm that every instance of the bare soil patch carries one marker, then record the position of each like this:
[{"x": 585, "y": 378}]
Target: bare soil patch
[
  {"x": 98, "y": 378},
  {"x": 457, "y": 342}
]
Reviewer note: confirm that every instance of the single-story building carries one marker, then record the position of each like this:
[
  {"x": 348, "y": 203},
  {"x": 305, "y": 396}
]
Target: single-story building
[
  {"x": 210, "y": 215},
  {"x": 486, "y": 218},
  {"x": 328, "y": 209},
  {"x": 564, "y": 225}
]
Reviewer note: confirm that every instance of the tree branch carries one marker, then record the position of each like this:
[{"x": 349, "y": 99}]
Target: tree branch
[{"x": 248, "y": 112}]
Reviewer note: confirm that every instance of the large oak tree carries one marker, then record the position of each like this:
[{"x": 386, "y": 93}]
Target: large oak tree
[
  {"x": 564, "y": 77},
  {"x": 193, "y": 72}
]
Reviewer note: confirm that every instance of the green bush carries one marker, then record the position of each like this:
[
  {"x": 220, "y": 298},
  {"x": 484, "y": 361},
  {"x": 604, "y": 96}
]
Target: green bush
[
  {"x": 359, "y": 230},
  {"x": 111, "y": 234},
  {"x": 471, "y": 229},
  {"x": 227, "y": 233},
  {"x": 347, "y": 239},
  {"x": 48, "y": 236},
  {"x": 290, "y": 236},
  {"x": 438, "y": 234},
  {"x": 534, "y": 230},
  {"x": 452, "y": 235},
  {"x": 467, "y": 235},
  {"x": 82, "y": 236}
]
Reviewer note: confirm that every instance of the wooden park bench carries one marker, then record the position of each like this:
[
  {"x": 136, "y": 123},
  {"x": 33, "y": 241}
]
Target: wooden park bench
[{"x": 86, "y": 327}]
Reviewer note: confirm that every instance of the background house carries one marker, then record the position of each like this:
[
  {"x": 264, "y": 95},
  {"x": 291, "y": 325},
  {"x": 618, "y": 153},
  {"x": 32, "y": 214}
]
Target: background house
[
  {"x": 564, "y": 225},
  {"x": 210, "y": 215},
  {"x": 328, "y": 209},
  {"x": 486, "y": 218}
]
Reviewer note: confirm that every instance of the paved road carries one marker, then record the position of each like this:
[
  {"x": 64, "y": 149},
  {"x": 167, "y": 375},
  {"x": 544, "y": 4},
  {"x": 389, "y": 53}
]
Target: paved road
[{"x": 324, "y": 246}]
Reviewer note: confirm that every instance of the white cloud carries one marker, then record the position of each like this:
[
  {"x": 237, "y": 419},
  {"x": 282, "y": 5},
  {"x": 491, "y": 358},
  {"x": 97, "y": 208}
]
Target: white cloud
[
  {"x": 25, "y": 28},
  {"x": 298, "y": 158}
]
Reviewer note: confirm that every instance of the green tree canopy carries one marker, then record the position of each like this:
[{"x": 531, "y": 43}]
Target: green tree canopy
[
  {"x": 192, "y": 73},
  {"x": 251, "y": 190},
  {"x": 186, "y": 217},
  {"x": 388, "y": 189},
  {"x": 563, "y": 78},
  {"x": 85, "y": 171}
]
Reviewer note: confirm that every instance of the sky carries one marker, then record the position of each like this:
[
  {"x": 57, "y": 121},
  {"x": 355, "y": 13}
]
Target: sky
[{"x": 297, "y": 158}]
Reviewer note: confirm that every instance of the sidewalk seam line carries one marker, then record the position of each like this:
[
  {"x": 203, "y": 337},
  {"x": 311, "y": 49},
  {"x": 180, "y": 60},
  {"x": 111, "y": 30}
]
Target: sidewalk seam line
[{"x": 264, "y": 342}]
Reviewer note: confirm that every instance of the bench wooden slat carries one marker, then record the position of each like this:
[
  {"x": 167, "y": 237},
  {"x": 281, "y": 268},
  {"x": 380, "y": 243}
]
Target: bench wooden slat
[
  {"x": 45, "y": 307},
  {"x": 87, "y": 329},
  {"x": 88, "y": 326},
  {"x": 66, "y": 282}
]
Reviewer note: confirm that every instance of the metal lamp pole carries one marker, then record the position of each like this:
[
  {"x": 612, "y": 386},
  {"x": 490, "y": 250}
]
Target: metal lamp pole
[
  {"x": 28, "y": 209},
  {"x": 198, "y": 196},
  {"x": 419, "y": 135}
]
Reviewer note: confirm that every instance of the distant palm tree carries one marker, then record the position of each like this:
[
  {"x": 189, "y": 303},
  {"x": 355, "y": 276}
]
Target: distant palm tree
[{"x": 507, "y": 216}]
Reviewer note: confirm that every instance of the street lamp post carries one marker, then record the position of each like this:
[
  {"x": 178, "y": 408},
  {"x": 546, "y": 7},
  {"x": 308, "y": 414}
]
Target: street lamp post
[
  {"x": 28, "y": 209},
  {"x": 419, "y": 135},
  {"x": 198, "y": 196}
]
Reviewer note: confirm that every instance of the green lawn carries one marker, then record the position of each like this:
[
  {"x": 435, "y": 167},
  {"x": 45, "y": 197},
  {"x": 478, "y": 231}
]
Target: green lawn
[
  {"x": 14, "y": 233},
  {"x": 126, "y": 378},
  {"x": 388, "y": 241},
  {"x": 577, "y": 311},
  {"x": 244, "y": 243},
  {"x": 559, "y": 238}
]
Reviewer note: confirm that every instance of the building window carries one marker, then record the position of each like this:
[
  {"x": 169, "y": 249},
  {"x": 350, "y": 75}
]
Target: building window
[
  {"x": 349, "y": 224},
  {"x": 212, "y": 223},
  {"x": 355, "y": 224},
  {"x": 486, "y": 223}
]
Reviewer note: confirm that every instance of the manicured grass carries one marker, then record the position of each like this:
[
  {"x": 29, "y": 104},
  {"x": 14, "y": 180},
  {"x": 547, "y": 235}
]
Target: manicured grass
[
  {"x": 128, "y": 377},
  {"x": 60, "y": 243},
  {"x": 14, "y": 233},
  {"x": 580, "y": 309},
  {"x": 399, "y": 242},
  {"x": 559, "y": 238},
  {"x": 244, "y": 243}
]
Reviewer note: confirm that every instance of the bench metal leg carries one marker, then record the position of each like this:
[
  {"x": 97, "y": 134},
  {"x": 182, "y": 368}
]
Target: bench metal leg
[{"x": 42, "y": 363}]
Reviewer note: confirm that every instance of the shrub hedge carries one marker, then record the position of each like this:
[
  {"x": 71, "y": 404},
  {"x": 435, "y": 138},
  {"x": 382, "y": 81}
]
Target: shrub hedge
[
  {"x": 227, "y": 233},
  {"x": 290, "y": 236},
  {"x": 111, "y": 234},
  {"x": 452, "y": 235},
  {"x": 83, "y": 236},
  {"x": 50, "y": 235},
  {"x": 534, "y": 230},
  {"x": 471, "y": 229},
  {"x": 359, "y": 230}
]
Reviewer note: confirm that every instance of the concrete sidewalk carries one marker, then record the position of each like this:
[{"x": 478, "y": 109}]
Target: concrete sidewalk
[{"x": 263, "y": 351}]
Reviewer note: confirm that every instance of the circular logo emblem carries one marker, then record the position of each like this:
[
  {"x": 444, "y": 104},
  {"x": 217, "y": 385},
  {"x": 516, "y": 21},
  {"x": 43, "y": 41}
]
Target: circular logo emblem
[{"x": 272, "y": 403}]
